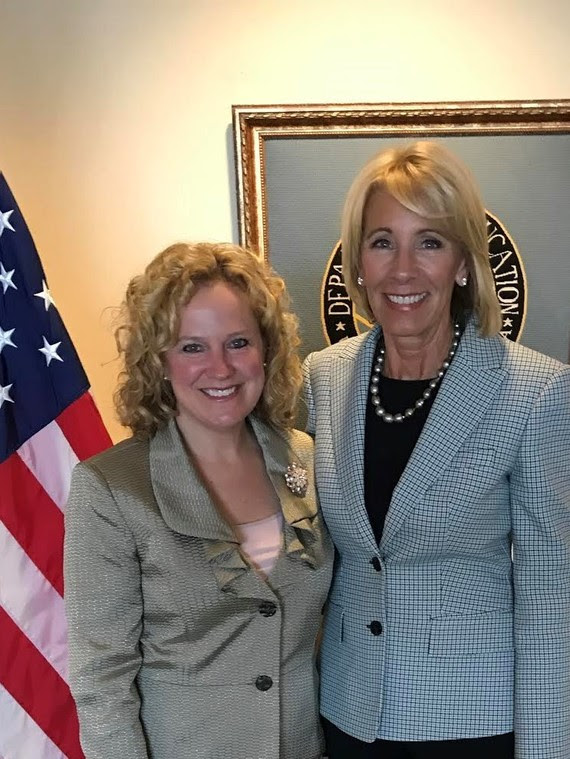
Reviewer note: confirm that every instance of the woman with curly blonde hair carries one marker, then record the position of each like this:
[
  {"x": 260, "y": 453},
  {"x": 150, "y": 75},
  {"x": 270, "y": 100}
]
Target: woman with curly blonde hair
[{"x": 196, "y": 558}]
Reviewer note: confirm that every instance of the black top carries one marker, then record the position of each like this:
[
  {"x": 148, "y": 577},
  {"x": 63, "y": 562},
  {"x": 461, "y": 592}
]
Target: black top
[{"x": 388, "y": 446}]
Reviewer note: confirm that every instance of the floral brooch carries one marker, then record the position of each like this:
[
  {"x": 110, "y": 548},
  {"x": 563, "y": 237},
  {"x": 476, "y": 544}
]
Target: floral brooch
[{"x": 297, "y": 479}]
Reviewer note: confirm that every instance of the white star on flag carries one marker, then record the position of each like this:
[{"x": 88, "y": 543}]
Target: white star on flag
[
  {"x": 5, "y": 394},
  {"x": 4, "y": 223},
  {"x": 46, "y": 295},
  {"x": 50, "y": 351},
  {"x": 6, "y": 338},
  {"x": 6, "y": 278}
]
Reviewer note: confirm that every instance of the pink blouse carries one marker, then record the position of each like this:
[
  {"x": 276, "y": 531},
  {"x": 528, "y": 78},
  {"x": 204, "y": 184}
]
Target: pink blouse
[{"x": 261, "y": 542}]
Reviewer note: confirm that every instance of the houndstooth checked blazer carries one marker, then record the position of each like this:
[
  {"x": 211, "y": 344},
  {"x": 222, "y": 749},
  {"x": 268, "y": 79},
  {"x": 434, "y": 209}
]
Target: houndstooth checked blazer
[
  {"x": 472, "y": 642},
  {"x": 178, "y": 648}
]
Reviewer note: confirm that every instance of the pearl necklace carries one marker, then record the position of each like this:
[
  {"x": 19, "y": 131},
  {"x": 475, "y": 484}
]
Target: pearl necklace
[{"x": 377, "y": 371}]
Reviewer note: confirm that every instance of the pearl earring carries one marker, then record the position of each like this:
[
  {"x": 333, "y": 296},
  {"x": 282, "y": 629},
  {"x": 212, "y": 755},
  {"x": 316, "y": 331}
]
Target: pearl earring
[
  {"x": 462, "y": 282},
  {"x": 359, "y": 281}
]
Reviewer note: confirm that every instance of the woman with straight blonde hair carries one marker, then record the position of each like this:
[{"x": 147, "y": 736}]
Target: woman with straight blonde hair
[{"x": 443, "y": 470}]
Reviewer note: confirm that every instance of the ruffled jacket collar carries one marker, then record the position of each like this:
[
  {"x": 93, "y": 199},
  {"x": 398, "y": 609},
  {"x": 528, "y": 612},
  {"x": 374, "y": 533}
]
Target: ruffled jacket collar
[{"x": 187, "y": 507}]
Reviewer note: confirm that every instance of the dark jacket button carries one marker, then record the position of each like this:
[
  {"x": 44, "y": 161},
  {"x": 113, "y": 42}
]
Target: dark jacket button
[
  {"x": 267, "y": 608},
  {"x": 375, "y": 561},
  {"x": 375, "y": 627},
  {"x": 263, "y": 682}
]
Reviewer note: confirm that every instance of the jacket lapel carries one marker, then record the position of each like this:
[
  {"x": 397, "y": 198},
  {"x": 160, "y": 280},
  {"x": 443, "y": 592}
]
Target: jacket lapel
[
  {"x": 184, "y": 502},
  {"x": 299, "y": 511},
  {"x": 187, "y": 508},
  {"x": 472, "y": 381},
  {"x": 349, "y": 392}
]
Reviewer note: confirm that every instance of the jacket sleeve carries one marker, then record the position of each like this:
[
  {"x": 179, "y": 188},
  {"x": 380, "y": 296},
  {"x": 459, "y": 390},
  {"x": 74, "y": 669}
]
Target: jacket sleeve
[
  {"x": 104, "y": 609},
  {"x": 308, "y": 395},
  {"x": 540, "y": 503}
]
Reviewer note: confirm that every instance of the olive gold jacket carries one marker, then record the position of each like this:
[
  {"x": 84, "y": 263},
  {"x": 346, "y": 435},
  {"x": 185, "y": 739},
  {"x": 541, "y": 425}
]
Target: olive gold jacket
[{"x": 178, "y": 648}]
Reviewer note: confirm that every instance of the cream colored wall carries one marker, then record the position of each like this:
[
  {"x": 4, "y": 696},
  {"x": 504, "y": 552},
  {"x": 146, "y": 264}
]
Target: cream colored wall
[{"x": 115, "y": 114}]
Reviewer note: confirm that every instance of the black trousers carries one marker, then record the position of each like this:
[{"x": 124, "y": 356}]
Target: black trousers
[{"x": 343, "y": 746}]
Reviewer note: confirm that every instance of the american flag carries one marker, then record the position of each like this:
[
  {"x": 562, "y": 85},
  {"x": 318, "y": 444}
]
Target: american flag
[{"x": 48, "y": 422}]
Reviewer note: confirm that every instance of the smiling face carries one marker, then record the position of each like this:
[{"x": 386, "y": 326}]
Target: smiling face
[
  {"x": 216, "y": 366},
  {"x": 409, "y": 268}
]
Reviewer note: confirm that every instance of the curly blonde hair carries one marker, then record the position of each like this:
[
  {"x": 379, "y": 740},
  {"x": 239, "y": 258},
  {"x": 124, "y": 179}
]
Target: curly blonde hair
[
  {"x": 431, "y": 181},
  {"x": 150, "y": 321}
]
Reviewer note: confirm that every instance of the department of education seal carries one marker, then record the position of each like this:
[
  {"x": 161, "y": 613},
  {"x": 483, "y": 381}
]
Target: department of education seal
[{"x": 340, "y": 319}]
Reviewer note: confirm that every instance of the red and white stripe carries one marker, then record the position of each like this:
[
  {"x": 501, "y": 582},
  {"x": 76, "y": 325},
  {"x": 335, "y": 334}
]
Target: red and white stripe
[{"x": 37, "y": 713}]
